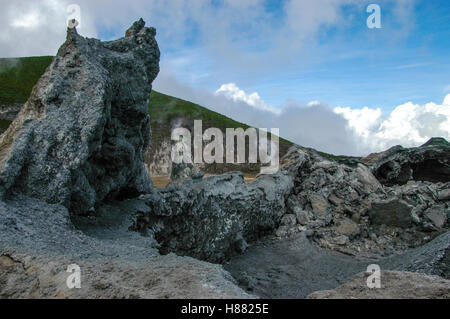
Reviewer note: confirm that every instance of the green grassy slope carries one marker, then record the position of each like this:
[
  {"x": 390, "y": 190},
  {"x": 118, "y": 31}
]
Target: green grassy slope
[
  {"x": 164, "y": 108},
  {"x": 18, "y": 76}
]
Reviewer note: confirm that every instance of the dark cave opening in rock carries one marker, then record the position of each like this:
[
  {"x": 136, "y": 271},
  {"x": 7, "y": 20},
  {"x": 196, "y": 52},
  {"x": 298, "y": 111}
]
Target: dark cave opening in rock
[
  {"x": 385, "y": 171},
  {"x": 431, "y": 170}
]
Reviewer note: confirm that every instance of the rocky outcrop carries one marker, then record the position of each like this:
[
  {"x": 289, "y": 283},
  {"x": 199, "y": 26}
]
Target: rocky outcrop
[
  {"x": 398, "y": 165},
  {"x": 394, "y": 285},
  {"x": 343, "y": 207},
  {"x": 213, "y": 218},
  {"x": 391, "y": 212},
  {"x": 81, "y": 135},
  {"x": 339, "y": 206}
]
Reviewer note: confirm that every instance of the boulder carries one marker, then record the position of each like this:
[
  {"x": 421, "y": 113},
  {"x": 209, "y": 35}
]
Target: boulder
[
  {"x": 394, "y": 285},
  {"x": 340, "y": 240},
  {"x": 207, "y": 219},
  {"x": 366, "y": 178},
  {"x": 444, "y": 194},
  {"x": 282, "y": 231},
  {"x": 347, "y": 227},
  {"x": 319, "y": 204},
  {"x": 302, "y": 217},
  {"x": 392, "y": 213},
  {"x": 81, "y": 135}
]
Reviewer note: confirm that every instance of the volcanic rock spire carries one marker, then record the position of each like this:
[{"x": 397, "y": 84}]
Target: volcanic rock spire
[{"x": 81, "y": 135}]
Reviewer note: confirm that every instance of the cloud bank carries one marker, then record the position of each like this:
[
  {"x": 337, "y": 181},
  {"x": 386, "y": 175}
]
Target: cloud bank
[{"x": 408, "y": 125}]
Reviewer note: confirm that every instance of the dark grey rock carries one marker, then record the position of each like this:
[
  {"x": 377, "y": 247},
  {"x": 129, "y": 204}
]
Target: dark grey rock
[
  {"x": 208, "y": 218},
  {"x": 81, "y": 136},
  {"x": 183, "y": 171},
  {"x": 437, "y": 215},
  {"x": 302, "y": 217},
  {"x": 432, "y": 258},
  {"x": 398, "y": 165},
  {"x": 392, "y": 213},
  {"x": 444, "y": 195},
  {"x": 334, "y": 199}
]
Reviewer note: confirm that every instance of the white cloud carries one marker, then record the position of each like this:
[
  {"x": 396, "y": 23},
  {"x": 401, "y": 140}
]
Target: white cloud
[
  {"x": 32, "y": 28},
  {"x": 314, "y": 103},
  {"x": 231, "y": 91},
  {"x": 360, "y": 120},
  {"x": 447, "y": 100},
  {"x": 314, "y": 125},
  {"x": 240, "y": 35},
  {"x": 407, "y": 125},
  {"x": 30, "y": 20},
  {"x": 341, "y": 130}
]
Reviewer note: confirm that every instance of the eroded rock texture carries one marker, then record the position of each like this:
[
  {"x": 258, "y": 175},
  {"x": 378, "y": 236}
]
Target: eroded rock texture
[
  {"x": 429, "y": 162},
  {"x": 81, "y": 135},
  {"x": 345, "y": 208},
  {"x": 212, "y": 219}
]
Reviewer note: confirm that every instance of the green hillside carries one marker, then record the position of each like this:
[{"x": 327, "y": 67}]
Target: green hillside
[
  {"x": 18, "y": 76},
  {"x": 164, "y": 108}
]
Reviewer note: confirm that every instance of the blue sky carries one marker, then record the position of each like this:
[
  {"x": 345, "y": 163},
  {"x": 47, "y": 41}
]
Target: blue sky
[
  {"x": 263, "y": 62},
  {"x": 347, "y": 64}
]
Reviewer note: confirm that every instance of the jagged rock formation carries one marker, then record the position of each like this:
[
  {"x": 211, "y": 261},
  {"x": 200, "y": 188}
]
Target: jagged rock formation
[
  {"x": 339, "y": 206},
  {"x": 398, "y": 165},
  {"x": 212, "y": 219},
  {"x": 395, "y": 285},
  {"x": 166, "y": 112},
  {"x": 81, "y": 136},
  {"x": 344, "y": 207}
]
